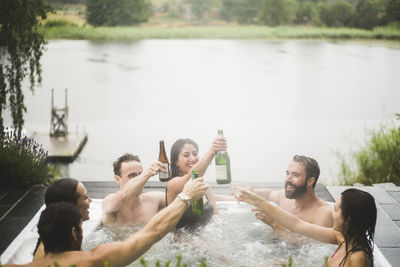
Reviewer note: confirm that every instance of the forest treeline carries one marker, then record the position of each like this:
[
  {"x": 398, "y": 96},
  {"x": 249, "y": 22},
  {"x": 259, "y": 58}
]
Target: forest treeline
[{"x": 365, "y": 14}]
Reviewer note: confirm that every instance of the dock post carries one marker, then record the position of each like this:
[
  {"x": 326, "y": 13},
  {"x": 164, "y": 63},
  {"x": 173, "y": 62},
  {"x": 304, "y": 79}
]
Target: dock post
[{"x": 59, "y": 117}]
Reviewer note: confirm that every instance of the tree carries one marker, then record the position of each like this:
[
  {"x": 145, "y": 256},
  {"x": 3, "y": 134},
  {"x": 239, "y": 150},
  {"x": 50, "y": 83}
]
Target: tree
[
  {"x": 199, "y": 7},
  {"x": 308, "y": 13},
  {"x": 369, "y": 13},
  {"x": 242, "y": 11},
  {"x": 278, "y": 12},
  {"x": 21, "y": 48},
  {"x": 337, "y": 14},
  {"x": 117, "y": 12},
  {"x": 393, "y": 10}
]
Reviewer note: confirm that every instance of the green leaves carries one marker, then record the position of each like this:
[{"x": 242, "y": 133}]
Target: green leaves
[
  {"x": 20, "y": 53},
  {"x": 378, "y": 161},
  {"x": 117, "y": 12}
]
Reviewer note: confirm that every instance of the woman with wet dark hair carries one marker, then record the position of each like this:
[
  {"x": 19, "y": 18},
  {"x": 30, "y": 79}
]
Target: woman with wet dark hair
[
  {"x": 359, "y": 213},
  {"x": 353, "y": 230},
  {"x": 62, "y": 190},
  {"x": 184, "y": 159},
  {"x": 66, "y": 190}
]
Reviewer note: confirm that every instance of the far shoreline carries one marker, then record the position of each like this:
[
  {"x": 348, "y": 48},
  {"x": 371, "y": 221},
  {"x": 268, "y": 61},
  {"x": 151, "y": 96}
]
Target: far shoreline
[{"x": 229, "y": 32}]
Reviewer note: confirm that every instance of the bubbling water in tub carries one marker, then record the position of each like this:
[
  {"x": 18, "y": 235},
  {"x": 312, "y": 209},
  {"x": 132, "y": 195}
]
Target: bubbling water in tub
[{"x": 232, "y": 238}]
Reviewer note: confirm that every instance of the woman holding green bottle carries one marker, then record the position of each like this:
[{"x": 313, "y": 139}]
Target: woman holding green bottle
[{"x": 184, "y": 159}]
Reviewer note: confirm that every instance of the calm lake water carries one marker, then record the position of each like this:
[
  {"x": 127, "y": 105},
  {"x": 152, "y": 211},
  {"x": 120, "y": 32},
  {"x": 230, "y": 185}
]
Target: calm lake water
[{"x": 274, "y": 99}]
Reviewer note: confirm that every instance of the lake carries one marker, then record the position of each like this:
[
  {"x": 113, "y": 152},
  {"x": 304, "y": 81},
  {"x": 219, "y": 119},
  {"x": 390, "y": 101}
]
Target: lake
[{"x": 273, "y": 99}]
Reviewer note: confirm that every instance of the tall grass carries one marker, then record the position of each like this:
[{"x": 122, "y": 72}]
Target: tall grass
[
  {"x": 215, "y": 32},
  {"x": 378, "y": 161}
]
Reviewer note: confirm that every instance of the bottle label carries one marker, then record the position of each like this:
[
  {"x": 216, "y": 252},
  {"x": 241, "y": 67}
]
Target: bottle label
[
  {"x": 164, "y": 175},
  {"x": 221, "y": 172}
]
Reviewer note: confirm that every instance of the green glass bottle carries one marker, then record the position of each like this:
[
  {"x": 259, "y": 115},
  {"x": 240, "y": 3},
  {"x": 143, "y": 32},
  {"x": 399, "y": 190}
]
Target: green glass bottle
[
  {"x": 222, "y": 165},
  {"x": 197, "y": 204}
]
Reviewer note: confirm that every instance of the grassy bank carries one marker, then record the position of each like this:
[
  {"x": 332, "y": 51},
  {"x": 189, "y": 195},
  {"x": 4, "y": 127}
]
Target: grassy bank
[{"x": 215, "y": 32}]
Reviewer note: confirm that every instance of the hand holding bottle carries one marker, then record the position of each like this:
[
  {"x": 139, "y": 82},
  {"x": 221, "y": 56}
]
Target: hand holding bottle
[
  {"x": 196, "y": 188},
  {"x": 219, "y": 144},
  {"x": 155, "y": 167}
]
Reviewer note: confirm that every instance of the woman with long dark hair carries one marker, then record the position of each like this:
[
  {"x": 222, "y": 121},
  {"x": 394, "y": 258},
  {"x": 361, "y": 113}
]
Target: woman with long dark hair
[
  {"x": 353, "y": 231},
  {"x": 67, "y": 190},
  {"x": 184, "y": 159}
]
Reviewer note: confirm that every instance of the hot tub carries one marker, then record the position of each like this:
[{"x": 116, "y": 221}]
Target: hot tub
[{"x": 232, "y": 238}]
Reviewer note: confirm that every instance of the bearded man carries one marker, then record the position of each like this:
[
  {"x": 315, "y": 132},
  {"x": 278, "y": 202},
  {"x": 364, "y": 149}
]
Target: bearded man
[{"x": 298, "y": 196}]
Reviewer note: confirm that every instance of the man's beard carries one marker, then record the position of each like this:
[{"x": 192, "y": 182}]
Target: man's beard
[{"x": 297, "y": 192}]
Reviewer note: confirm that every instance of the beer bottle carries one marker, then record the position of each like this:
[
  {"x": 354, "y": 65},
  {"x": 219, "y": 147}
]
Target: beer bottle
[
  {"x": 197, "y": 205},
  {"x": 222, "y": 165},
  {"x": 164, "y": 177}
]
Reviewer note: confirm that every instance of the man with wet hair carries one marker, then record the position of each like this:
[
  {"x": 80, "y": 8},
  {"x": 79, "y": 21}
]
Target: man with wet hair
[
  {"x": 60, "y": 228},
  {"x": 298, "y": 196},
  {"x": 130, "y": 205}
]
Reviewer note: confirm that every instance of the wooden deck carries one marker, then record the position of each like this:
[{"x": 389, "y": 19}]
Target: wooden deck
[{"x": 64, "y": 149}]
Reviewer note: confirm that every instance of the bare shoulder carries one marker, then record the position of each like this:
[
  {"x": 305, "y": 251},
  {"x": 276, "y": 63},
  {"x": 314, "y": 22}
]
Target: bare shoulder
[
  {"x": 324, "y": 206},
  {"x": 323, "y": 214},
  {"x": 279, "y": 196},
  {"x": 356, "y": 259}
]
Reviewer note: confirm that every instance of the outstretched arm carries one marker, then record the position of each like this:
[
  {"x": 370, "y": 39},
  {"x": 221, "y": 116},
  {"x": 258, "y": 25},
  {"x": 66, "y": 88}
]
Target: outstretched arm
[
  {"x": 268, "y": 194},
  {"x": 123, "y": 253},
  {"x": 219, "y": 144},
  {"x": 114, "y": 202},
  {"x": 290, "y": 221}
]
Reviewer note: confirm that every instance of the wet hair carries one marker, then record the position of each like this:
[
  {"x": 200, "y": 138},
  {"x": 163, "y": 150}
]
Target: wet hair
[
  {"x": 359, "y": 220},
  {"x": 62, "y": 190},
  {"x": 175, "y": 151},
  {"x": 312, "y": 168},
  {"x": 124, "y": 158},
  {"x": 55, "y": 226}
]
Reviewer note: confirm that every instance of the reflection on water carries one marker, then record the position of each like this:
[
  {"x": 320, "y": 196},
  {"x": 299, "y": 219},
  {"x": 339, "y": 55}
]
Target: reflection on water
[
  {"x": 232, "y": 238},
  {"x": 273, "y": 99}
]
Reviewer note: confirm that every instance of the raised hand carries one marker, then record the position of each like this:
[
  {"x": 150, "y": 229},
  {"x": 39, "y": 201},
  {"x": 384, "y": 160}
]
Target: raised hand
[
  {"x": 196, "y": 188},
  {"x": 155, "y": 167},
  {"x": 219, "y": 144},
  {"x": 235, "y": 190},
  {"x": 248, "y": 196}
]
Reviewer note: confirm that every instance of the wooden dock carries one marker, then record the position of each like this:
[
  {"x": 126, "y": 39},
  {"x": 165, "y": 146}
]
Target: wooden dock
[{"x": 62, "y": 148}]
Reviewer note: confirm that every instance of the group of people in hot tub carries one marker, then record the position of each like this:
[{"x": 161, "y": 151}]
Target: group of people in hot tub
[{"x": 350, "y": 224}]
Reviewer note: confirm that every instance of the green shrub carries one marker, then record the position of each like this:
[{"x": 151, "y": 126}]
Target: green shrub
[
  {"x": 22, "y": 161},
  {"x": 58, "y": 23},
  {"x": 378, "y": 161}
]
